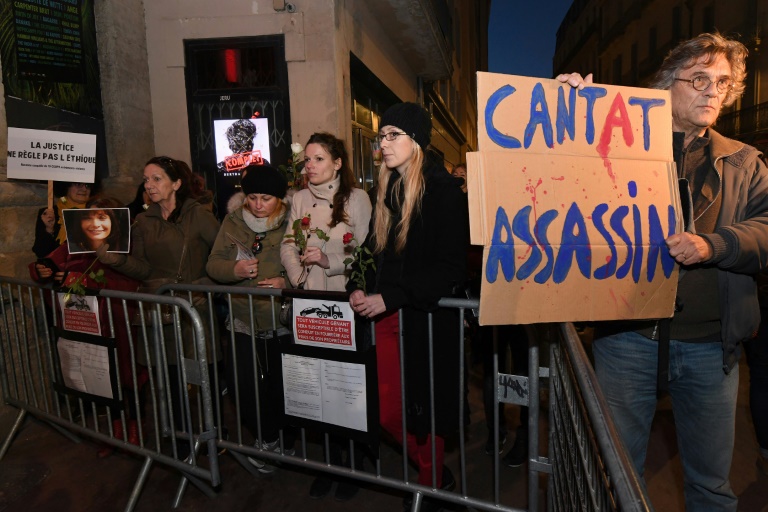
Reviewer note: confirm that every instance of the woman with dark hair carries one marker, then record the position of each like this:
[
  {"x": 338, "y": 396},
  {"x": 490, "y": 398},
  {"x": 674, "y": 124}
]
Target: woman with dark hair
[
  {"x": 170, "y": 242},
  {"x": 419, "y": 238},
  {"x": 49, "y": 229},
  {"x": 73, "y": 266},
  {"x": 93, "y": 227},
  {"x": 333, "y": 204}
]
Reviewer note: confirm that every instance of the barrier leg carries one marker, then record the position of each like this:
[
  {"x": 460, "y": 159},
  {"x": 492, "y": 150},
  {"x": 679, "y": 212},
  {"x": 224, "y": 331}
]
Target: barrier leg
[
  {"x": 139, "y": 485},
  {"x": 200, "y": 484},
  {"x": 16, "y": 426},
  {"x": 243, "y": 461},
  {"x": 186, "y": 478},
  {"x": 64, "y": 432},
  {"x": 416, "y": 505}
]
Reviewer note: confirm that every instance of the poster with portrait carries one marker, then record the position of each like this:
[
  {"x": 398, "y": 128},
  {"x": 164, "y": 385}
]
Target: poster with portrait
[
  {"x": 88, "y": 229},
  {"x": 240, "y": 143}
]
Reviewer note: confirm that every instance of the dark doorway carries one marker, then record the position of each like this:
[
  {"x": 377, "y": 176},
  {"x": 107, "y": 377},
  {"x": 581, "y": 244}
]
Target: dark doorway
[{"x": 229, "y": 80}]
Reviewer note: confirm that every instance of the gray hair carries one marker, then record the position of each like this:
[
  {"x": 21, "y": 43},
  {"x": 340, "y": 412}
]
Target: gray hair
[{"x": 685, "y": 55}]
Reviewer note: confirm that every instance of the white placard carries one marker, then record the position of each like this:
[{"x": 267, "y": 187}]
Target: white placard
[
  {"x": 48, "y": 155},
  {"x": 328, "y": 391}
]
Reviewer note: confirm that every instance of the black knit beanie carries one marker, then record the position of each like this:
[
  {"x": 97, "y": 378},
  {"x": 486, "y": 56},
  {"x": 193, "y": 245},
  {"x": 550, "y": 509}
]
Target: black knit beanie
[
  {"x": 412, "y": 119},
  {"x": 264, "y": 179}
]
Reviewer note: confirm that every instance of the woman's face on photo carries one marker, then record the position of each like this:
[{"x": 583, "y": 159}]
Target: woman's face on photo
[
  {"x": 158, "y": 185},
  {"x": 97, "y": 226},
  {"x": 319, "y": 164},
  {"x": 261, "y": 205},
  {"x": 396, "y": 153}
]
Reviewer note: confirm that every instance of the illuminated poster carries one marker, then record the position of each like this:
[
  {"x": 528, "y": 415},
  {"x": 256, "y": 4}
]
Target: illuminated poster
[
  {"x": 240, "y": 143},
  {"x": 49, "y": 40}
]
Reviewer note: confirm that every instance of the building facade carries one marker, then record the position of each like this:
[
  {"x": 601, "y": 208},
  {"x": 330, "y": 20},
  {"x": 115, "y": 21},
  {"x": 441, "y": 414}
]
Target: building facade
[
  {"x": 169, "y": 69},
  {"x": 623, "y": 42}
]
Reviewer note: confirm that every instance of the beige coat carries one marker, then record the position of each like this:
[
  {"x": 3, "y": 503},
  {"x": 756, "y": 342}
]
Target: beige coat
[{"x": 317, "y": 201}]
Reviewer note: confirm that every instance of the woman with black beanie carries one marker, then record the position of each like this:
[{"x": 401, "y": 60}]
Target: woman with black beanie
[{"x": 419, "y": 238}]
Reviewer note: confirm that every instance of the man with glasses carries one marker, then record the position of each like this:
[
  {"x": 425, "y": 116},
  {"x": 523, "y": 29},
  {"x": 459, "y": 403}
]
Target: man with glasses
[{"x": 695, "y": 355}]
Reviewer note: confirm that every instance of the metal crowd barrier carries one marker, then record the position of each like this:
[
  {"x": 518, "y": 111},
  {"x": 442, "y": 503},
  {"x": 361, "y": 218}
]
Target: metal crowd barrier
[
  {"x": 169, "y": 428},
  {"x": 585, "y": 466}
]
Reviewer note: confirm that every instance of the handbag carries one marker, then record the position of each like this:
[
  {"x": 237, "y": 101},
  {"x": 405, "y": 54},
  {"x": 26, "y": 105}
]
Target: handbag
[
  {"x": 286, "y": 310},
  {"x": 151, "y": 286},
  {"x": 286, "y": 313}
]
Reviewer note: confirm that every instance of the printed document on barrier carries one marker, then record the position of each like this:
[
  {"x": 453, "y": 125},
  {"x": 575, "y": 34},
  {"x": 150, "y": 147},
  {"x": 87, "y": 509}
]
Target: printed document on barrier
[
  {"x": 328, "y": 391},
  {"x": 324, "y": 323},
  {"x": 80, "y": 313},
  {"x": 85, "y": 367}
]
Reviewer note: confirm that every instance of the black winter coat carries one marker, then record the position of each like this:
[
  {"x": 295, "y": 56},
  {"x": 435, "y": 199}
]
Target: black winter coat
[{"x": 432, "y": 266}]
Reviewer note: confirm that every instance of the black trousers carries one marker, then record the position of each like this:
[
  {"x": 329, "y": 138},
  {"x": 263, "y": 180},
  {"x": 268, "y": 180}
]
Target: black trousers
[
  {"x": 245, "y": 372},
  {"x": 512, "y": 339}
]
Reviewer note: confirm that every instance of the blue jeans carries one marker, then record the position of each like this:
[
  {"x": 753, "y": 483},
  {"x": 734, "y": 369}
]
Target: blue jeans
[{"x": 703, "y": 403}]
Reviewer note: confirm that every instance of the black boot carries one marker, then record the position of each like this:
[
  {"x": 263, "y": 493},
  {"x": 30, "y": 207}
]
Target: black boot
[{"x": 518, "y": 454}]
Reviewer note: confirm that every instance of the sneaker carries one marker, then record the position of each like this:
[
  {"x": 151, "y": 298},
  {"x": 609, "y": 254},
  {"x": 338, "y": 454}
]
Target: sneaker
[
  {"x": 518, "y": 454},
  {"x": 489, "y": 444},
  {"x": 274, "y": 446}
]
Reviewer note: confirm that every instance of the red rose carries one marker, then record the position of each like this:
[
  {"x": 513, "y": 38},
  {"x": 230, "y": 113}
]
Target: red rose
[
  {"x": 347, "y": 238},
  {"x": 305, "y": 222}
]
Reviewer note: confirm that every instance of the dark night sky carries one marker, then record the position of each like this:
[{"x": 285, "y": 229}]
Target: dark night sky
[{"x": 521, "y": 36}]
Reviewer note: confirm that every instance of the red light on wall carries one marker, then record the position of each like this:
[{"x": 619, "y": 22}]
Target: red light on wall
[{"x": 232, "y": 65}]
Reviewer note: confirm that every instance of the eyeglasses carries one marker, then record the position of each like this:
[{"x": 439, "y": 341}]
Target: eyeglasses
[
  {"x": 390, "y": 136},
  {"x": 702, "y": 83},
  {"x": 86, "y": 185},
  {"x": 257, "y": 246}
]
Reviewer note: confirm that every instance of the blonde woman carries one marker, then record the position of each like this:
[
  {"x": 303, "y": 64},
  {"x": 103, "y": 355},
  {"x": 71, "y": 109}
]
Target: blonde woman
[{"x": 419, "y": 239}]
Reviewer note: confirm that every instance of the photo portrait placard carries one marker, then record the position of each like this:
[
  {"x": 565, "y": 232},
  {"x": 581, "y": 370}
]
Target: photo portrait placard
[{"x": 88, "y": 229}]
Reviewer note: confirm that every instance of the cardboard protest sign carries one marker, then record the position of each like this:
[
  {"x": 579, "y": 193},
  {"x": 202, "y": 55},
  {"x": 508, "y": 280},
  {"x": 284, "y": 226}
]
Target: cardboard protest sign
[
  {"x": 572, "y": 195},
  {"x": 50, "y": 155}
]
